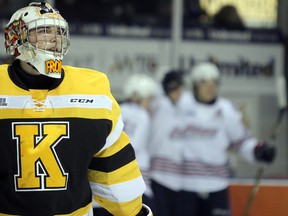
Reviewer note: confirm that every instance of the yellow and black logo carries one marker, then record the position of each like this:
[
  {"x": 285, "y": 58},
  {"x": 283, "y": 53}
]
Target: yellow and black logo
[{"x": 39, "y": 167}]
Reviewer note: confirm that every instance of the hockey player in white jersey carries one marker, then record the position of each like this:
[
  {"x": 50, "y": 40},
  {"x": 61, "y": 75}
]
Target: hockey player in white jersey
[
  {"x": 189, "y": 148},
  {"x": 166, "y": 157},
  {"x": 209, "y": 126},
  {"x": 140, "y": 91}
]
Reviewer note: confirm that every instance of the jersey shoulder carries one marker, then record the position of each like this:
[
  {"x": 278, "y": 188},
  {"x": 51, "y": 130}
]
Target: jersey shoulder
[
  {"x": 186, "y": 100},
  {"x": 230, "y": 108},
  {"x": 134, "y": 112},
  {"x": 86, "y": 80},
  {"x": 83, "y": 72},
  {"x": 8, "y": 87},
  {"x": 226, "y": 103},
  {"x": 3, "y": 68}
]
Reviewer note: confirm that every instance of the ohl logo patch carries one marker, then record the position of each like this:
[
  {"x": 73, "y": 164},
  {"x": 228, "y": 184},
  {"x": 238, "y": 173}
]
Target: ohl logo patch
[{"x": 53, "y": 66}]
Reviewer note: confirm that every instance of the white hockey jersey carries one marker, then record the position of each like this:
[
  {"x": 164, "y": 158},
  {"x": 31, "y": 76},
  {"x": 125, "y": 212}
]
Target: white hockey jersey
[
  {"x": 137, "y": 125},
  {"x": 203, "y": 134},
  {"x": 165, "y": 151}
]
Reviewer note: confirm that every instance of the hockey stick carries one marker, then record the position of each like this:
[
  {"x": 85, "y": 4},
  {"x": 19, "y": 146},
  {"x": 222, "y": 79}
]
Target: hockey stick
[
  {"x": 281, "y": 93},
  {"x": 260, "y": 171}
]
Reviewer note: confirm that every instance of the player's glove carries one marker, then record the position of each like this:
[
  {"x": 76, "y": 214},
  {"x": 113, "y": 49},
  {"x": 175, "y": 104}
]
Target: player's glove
[
  {"x": 265, "y": 152},
  {"x": 145, "y": 211}
]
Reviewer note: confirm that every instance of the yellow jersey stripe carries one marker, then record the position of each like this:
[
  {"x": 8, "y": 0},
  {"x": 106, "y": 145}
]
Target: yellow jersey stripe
[
  {"x": 116, "y": 176},
  {"x": 120, "y": 143}
]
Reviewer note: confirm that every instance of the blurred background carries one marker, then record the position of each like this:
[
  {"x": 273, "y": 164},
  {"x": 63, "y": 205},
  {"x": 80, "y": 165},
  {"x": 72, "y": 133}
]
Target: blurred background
[{"x": 246, "y": 38}]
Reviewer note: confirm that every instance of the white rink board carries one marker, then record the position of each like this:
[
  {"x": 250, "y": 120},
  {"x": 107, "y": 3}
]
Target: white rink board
[{"x": 121, "y": 57}]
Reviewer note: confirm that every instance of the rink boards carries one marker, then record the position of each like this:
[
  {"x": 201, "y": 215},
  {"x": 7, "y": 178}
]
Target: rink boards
[{"x": 270, "y": 200}]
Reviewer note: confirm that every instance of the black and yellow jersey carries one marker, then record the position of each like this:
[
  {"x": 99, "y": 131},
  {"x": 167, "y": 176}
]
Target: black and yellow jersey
[{"x": 60, "y": 147}]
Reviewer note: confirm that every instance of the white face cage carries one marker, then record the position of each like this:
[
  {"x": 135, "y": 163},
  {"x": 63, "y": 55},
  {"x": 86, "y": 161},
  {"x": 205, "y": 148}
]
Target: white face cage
[
  {"x": 39, "y": 35},
  {"x": 49, "y": 35}
]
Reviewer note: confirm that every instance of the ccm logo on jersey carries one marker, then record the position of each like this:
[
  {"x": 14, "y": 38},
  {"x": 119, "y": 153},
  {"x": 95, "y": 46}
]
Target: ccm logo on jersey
[
  {"x": 81, "y": 100},
  {"x": 53, "y": 66}
]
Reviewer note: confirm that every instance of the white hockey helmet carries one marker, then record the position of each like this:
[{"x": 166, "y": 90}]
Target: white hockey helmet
[
  {"x": 204, "y": 71},
  {"x": 140, "y": 85},
  {"x": 38, "y": 16}
]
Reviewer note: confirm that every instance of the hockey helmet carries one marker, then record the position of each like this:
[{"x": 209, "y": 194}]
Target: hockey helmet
[
  {"x": 44, "y": 54},
  {"x": 204, "y": 71},
  {"x": 172, "y": 80},
  {"x": 140, "y": 85}
]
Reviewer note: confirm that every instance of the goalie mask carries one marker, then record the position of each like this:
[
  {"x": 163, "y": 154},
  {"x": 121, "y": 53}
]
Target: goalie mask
[{"x": 38, "y": 35}]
